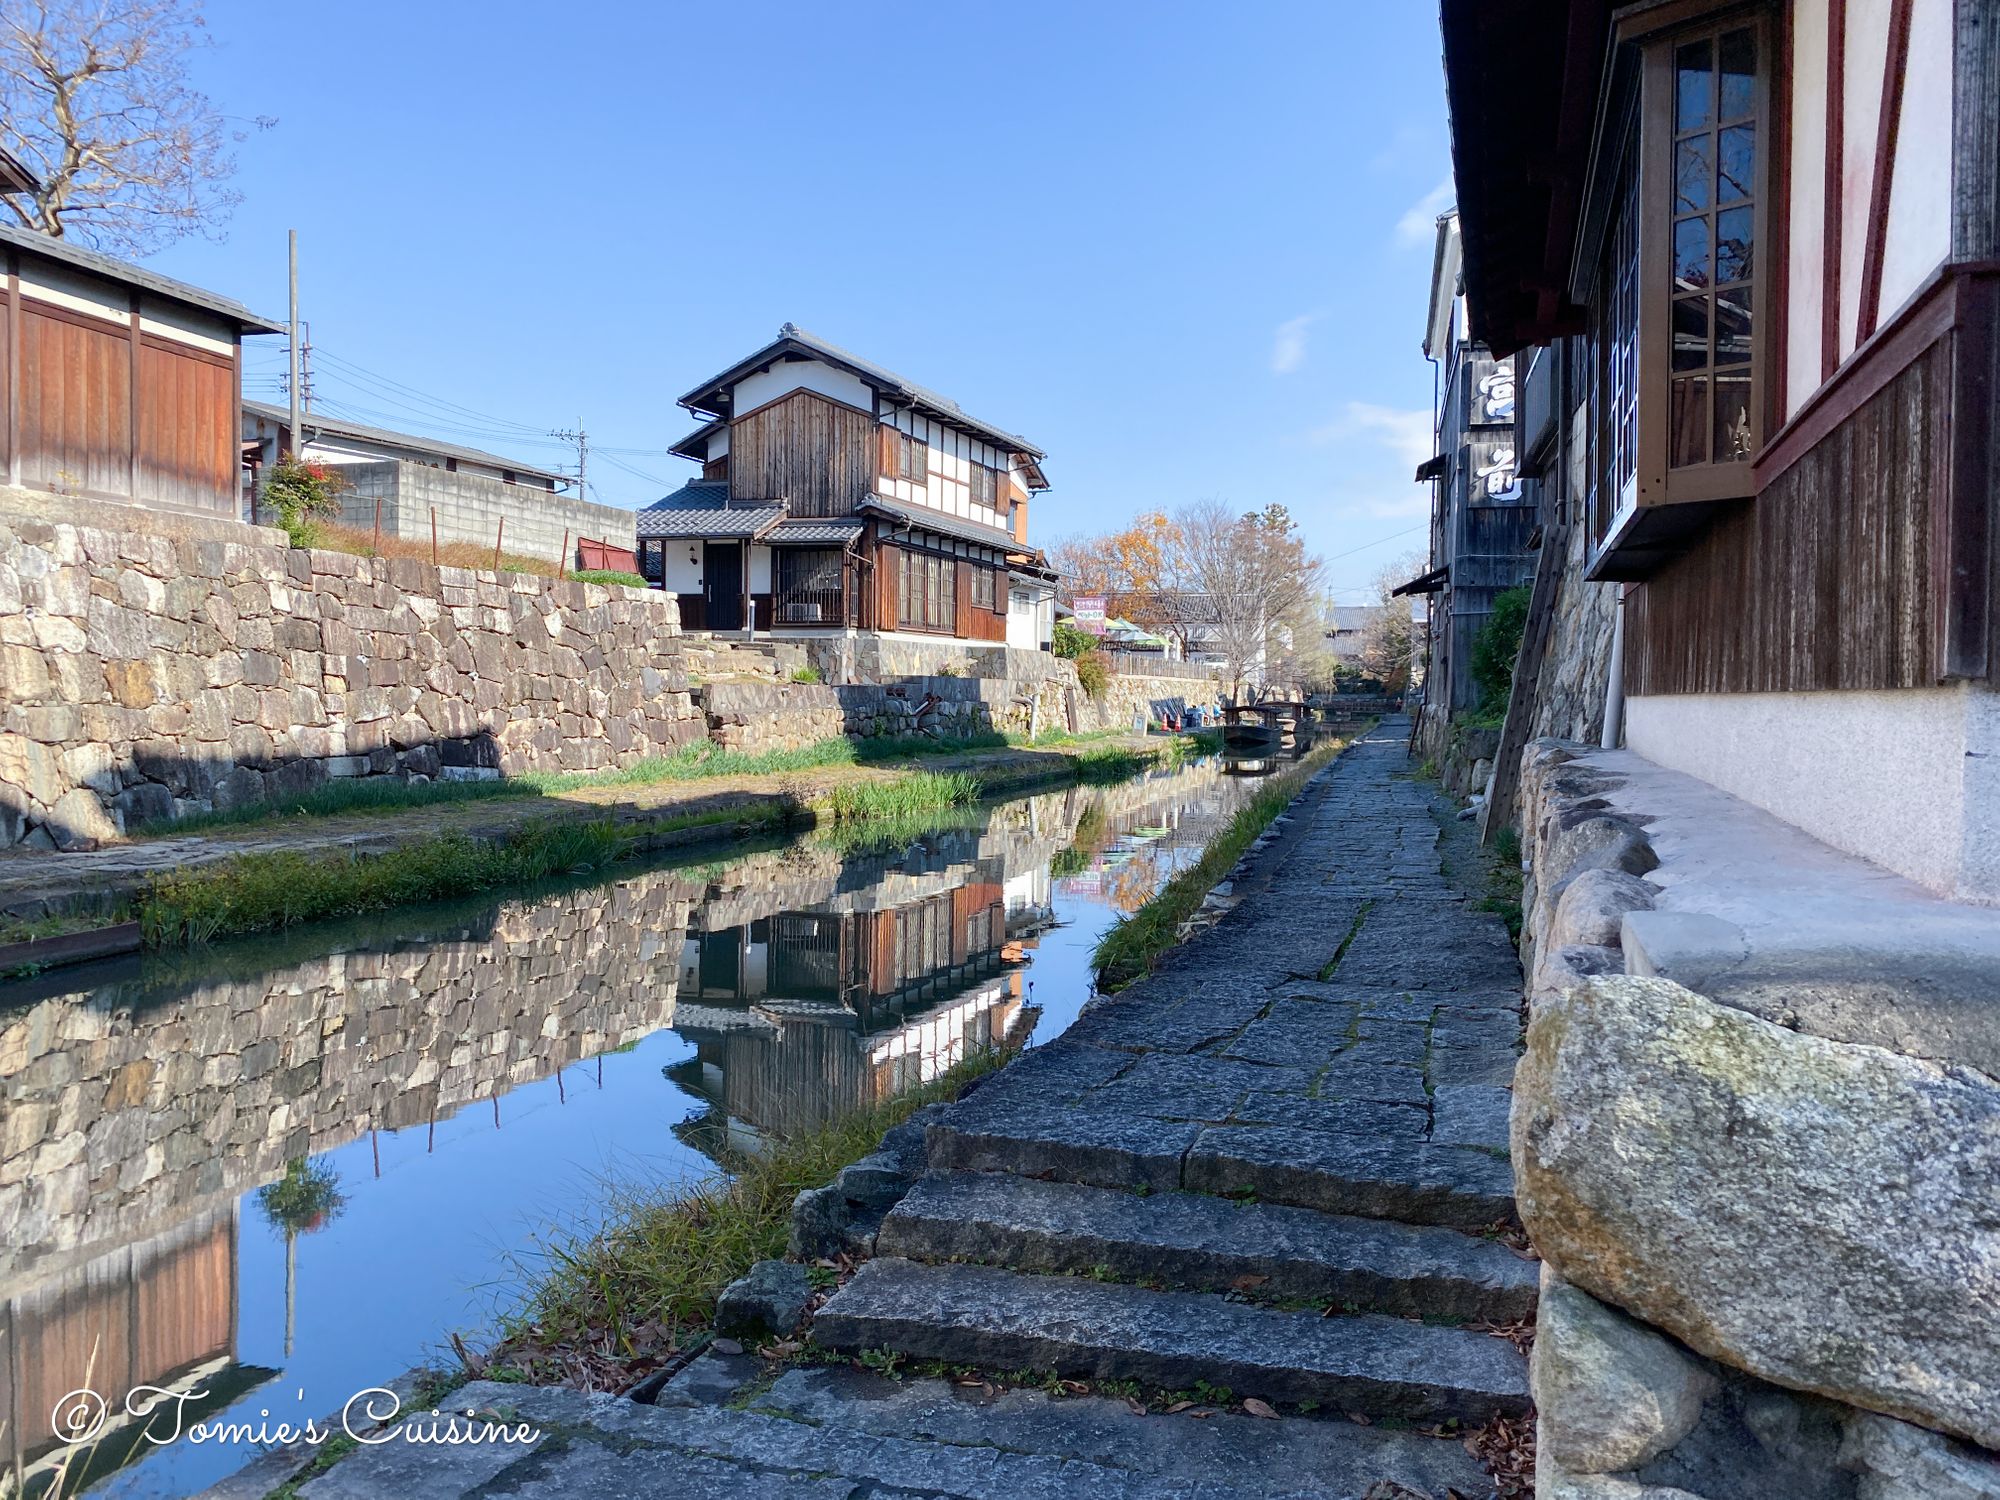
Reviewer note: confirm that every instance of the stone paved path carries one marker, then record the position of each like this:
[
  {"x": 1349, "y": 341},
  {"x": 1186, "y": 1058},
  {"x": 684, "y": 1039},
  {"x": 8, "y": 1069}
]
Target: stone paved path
[{"x": 1266, "y": 1168}]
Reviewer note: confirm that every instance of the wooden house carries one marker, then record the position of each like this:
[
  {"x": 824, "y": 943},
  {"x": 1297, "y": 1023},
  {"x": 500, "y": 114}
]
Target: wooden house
[
  {"x": 1482, "y": 510},
  {"x": 1755, "y": 246},
  {"x": 117, "y": 383},
  {"x": 836, "y": 496}
]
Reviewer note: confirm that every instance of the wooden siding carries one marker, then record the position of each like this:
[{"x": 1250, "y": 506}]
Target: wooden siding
[
  {"x": 1827, "y": 579},
  {"x": 76, "y": 403},
  {"x": 815, "y": 453},
  {"x": 187, "y": 426}
]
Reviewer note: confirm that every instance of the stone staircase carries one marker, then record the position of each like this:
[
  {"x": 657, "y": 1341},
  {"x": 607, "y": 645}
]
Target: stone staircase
[{"x": 1283, "y": 1175}]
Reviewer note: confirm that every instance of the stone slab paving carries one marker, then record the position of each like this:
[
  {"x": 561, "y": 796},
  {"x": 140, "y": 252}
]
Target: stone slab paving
[{"x": 1308, "y": 1101}]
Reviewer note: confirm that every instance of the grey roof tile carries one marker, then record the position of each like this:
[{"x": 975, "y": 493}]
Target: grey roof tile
[{"x": 114, "y": 269}]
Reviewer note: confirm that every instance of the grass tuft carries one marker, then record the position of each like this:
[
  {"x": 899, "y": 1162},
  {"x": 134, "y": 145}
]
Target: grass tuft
[
  {"x": 910, "y": 796},
  {"x": 603, "y": 1302},
  {"x": 260, "y": 892}
]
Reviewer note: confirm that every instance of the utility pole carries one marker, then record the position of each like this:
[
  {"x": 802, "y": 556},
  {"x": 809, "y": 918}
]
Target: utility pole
[
  {"x": 298, "y": 432},
  {"x": 582, "y": 441},
  {"x": 306, "y": 367}
]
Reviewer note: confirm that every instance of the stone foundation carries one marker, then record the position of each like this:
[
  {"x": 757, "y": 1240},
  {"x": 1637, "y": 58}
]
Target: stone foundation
[
  {"x": 1755, "y": 1135},
  {"x": 154, "y": 665}
]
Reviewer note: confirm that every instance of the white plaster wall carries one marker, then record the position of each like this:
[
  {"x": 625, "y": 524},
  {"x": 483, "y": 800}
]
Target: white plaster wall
[
  {"x": 681, "y": 571},
  {"x": 1866, "y": 63},
  {"x": 1805, "y": 267},
  {"x": 805, "y": 374},
  {"x": 760, "y": 572},
  {"x": 1919, "y": 230},
  {"x": 1021, "y": 620},
  {"x": 1908, "y": 779}
]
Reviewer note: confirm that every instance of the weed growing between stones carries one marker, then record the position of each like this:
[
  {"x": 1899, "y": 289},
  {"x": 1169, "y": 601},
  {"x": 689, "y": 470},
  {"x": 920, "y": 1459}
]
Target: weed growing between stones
[
  {"x": 910, "y": 796},
  {"x": 607, "y": 1309},
  {"x": 1128, "y": 951}
]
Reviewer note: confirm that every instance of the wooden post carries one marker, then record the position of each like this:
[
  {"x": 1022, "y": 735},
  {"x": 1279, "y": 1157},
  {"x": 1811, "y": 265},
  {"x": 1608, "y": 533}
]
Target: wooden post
[
  {"x": 499, "y": 532},
  {"x": 1499, "y": 810},
  {"x": 434, "y": 536},
  {"x": 378, "y": 526},
  {"x": 562, "y": 558}
]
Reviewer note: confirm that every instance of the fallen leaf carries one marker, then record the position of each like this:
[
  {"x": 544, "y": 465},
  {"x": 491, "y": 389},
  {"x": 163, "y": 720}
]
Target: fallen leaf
[
  {"x": 1178, "y": 1407},
  {"x": 1135, "y": 1406},
  {"x": 1360, "y": 1419},
  {"x": 1201, "y": 1416},
  {"x": 1258, "y": 1408}
]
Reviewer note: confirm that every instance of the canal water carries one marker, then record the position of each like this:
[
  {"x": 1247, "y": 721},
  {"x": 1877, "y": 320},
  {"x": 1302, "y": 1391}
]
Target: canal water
[{"x": 269, "y": 1175}]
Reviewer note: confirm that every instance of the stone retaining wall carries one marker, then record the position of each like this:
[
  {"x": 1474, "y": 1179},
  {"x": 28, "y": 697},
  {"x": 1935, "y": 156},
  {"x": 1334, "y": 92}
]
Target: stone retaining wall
[
  {"x": 155, "y": 665},
  {"x": 1762, "y": 1212}
]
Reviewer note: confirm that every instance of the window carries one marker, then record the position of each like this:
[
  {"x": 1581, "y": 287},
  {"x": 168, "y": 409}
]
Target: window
[
  {"x": 926, "y": 591},
  {"x": 985, "y": 487},
  {"x": 982, "y": 588},
  {"x": 913, "y": 459},
  {"x": 1713, "y": 248},
  {"x": 809, "y": 588}
]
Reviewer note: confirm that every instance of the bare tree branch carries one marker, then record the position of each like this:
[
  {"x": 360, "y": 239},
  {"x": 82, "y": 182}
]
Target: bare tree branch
[{"x": 97, "y": 101}]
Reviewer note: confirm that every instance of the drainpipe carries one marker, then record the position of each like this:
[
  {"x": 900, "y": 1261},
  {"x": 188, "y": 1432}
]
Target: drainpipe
[{"x": 1614, "y": 683}]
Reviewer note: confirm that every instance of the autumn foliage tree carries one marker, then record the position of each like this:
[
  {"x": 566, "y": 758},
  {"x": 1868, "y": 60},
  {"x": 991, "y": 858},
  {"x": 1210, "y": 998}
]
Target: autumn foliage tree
[{"x": 97, "y": 100}]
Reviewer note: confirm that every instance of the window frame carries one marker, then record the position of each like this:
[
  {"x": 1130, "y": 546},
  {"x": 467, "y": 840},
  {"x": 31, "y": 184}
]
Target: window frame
[
  {"x": 913, "y": 458},
  {"x": 987, "y": 478}
]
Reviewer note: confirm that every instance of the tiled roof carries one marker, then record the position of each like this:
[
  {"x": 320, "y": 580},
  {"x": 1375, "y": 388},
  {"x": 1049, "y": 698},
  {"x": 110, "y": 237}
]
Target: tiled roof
[
  {"x": 710, "y": 522},
  {"x": 791, "y": 337},
  {"x": 925, "y": 519},
  {"x": 824, "y": 532},
  {"x": 317, "y": 423},
  {"x": 696, "y": 493},
  {"x": 114, "y": 269}
]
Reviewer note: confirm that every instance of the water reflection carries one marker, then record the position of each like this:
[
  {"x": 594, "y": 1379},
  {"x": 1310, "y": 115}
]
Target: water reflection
[{"x": 277, "y": 1173}]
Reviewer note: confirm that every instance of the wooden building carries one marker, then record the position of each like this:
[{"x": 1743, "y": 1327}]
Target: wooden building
[
  {"x": 1482, "y": 510},
  {"x": 1755, "y": 246},
  {"x": 117, "y": 383},
  {"x": 836, "y": 496}
]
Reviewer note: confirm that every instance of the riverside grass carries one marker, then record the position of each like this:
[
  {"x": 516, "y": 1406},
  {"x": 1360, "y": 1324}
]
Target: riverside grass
[
  {"x": 1129, "y": 950},
  {"x": 606, "y": 1307}
]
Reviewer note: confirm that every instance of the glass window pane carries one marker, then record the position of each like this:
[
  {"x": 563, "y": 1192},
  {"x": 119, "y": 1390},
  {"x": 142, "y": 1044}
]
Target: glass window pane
[
  {"x": 1739, "y": 74},
  {"x": 1694, "y": 169},
  {"x": 1732, "y": 326},
  {"x": 1690, "y": 333},
  {"x": 1691, "y": 254},
  {"x": 1732, "y": 419},
  {"x": 1687, "y": 439},
  {"x": 1736, "y": 171},
  {"x": 1694, "y": 87},
  {"x": 1734, "y": 231}
]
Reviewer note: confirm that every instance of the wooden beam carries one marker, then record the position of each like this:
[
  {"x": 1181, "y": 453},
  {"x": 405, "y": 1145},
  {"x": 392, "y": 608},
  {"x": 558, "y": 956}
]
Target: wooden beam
[
  {"x": 1869, "y": 308},
  {"x": 1965, "y": 562},
  {"x": 13, "y": 357},
  {"x": 1975, "y": 147},
  {"x": 1521, "y": 693},
  {"x": 1836, "y": 84}
]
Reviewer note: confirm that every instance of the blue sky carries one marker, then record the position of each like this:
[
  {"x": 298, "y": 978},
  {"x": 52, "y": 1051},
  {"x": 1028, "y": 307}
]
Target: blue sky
[{"x": 1184, "y": 248}]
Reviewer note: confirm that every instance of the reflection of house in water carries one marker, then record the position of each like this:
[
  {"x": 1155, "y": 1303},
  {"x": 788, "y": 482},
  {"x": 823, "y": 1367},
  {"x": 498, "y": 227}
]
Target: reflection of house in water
[
  {"x": 161, "y": 1312},
  {"x": 802, "y": 1016}
]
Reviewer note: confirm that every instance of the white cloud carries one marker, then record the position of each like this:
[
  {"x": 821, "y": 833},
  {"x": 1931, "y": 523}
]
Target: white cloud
[
  {"x": 1407, "y": 435},
  {"x": 1419, "y": 222},
  {"x": 1288, "y": 345}
]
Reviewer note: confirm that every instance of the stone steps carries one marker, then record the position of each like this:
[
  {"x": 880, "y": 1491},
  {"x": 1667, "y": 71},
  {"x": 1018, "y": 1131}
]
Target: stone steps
[
  {"x": 1201, "y": 1243},
  {"x": 1001, "y": 1320},
  {"x": 1380, "y": 1177}
]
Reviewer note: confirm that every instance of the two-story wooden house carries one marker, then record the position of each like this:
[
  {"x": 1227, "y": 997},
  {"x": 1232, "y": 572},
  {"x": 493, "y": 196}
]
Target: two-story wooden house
[
  {"x": 1766, "y": 237},
  {"x": 836, "y": 496}
]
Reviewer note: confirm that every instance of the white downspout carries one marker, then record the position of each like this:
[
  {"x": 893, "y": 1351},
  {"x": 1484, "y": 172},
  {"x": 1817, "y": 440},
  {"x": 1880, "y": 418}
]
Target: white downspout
[{"x": 1614, "y": 681}]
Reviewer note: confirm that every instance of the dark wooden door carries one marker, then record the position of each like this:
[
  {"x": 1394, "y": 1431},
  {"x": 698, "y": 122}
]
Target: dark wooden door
[{"x": 722, "y": 585}]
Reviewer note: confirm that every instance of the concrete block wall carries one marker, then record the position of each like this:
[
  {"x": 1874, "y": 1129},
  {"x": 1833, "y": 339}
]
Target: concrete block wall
[{"x": 470, "y": 508}]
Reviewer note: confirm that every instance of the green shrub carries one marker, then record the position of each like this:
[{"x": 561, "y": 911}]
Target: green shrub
[
  {"x": 1497, "y": 646},
  {"x": 610, "y": 576},
  {"x": 303, "y": 493},
  {"x": 1094, "y": 673},
  {"x": 1071, "y": 642},
  {"x": 807, "y": 674}
]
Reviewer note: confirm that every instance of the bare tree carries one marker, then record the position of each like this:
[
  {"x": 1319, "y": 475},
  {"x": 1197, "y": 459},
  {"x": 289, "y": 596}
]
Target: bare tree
[
  {"x": 1259, "y": 587},
  {"x": 1388, "y": 643},
  {"x": 97, "y": 101}
]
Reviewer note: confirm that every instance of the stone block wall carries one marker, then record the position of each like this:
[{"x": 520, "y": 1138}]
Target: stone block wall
[
  {"x": 125, "y": 1106},
  {"x": 157, "y": 665},
  {"x": 1761, "y": 1209}
]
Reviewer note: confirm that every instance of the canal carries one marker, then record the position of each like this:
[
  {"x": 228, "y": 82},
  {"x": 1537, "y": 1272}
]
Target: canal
[{"x": 270, "y": 1174}]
